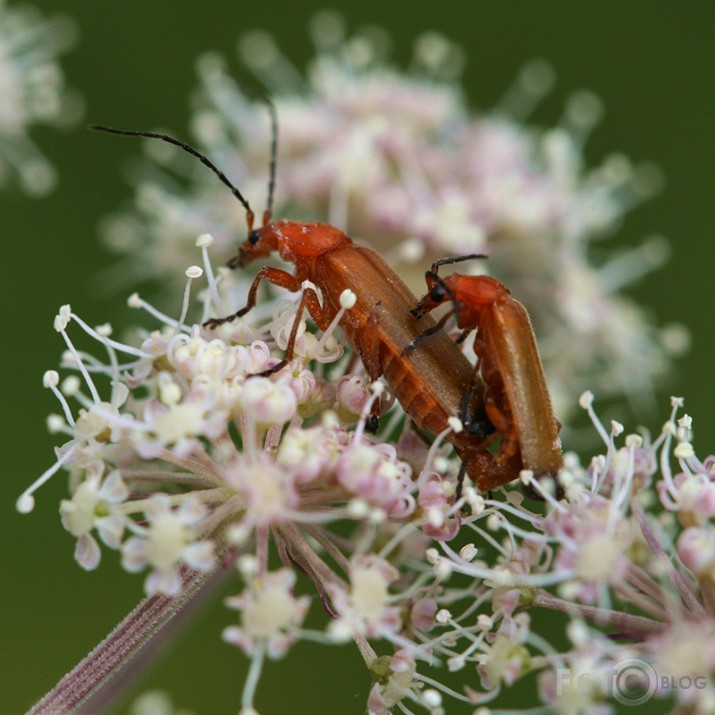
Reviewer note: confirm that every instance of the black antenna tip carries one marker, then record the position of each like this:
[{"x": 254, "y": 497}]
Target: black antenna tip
[
  {"x": 188, "y": 149},
  {"x": 102, "y": 128}
]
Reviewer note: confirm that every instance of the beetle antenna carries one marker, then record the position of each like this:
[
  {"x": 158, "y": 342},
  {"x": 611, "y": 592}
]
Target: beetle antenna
[
  {"x": 268, "y": 213},
  {"x": 456, "y": 259},
  {"x": 189, "y": 150},
  {"x": 270, "y": 106}
]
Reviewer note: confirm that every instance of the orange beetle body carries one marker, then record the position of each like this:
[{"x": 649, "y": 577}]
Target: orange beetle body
[{"x": 516, "y": 398}]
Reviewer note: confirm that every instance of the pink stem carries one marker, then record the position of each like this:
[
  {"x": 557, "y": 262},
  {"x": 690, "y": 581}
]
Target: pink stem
[
  {"x": 102, "y": 676},
  {"x": 686, "y": 593},
  {"x": 637, "y": 626}
]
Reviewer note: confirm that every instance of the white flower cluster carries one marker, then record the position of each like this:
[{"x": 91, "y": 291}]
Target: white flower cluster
[
  {"x": 33, "y": 92},
  {"x": 196, "y": 461}
]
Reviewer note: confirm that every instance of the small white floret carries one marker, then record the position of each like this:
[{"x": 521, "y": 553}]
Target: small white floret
[
  {"x": 455, "y": 424},
  {"x": 586, "y": 400},
  {"x": 347, "y": 299},
  {"x": 51, "y": 378}
]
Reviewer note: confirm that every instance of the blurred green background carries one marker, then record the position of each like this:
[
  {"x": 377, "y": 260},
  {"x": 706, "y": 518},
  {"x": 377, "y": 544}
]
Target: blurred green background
[{"x": 651, "y": 62}]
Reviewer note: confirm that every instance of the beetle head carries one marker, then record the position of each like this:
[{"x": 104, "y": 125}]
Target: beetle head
[
  {"x": 439, "y": 292},
  {"x": 260, "y": 242}
]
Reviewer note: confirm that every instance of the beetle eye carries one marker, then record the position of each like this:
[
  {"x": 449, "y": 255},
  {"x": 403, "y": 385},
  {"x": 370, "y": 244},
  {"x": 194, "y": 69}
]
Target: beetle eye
[
  {"x": 437, "y": 294},
  {"x": 254, "y": 237}
]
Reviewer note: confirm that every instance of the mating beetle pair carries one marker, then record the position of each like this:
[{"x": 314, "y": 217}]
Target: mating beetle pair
[{"x": 503, "y": 396}]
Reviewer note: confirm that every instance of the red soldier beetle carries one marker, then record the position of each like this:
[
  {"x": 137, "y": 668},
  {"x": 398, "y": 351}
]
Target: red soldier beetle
[
  {"x": 432, "y": 384},
  {"x": 516, "y": 399}
]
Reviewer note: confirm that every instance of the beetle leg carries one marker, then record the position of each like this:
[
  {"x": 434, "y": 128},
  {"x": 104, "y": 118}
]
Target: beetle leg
[
  {"x": 371, "y": 359},
  {"x": 497, "y": 416},
  {"x": 460, "y": 481},
  {"x": 473, "y": 417},
  {"x": 479, "y": 427},
  {"x": 502, "y": 420},
  {"x": 371, "y": 348},
  {"x": 309, "y": 300},
  {"x": 426, "y": 333},
  {"x": 288, "y": 356},
  {"x": 462, "y": 336},
  {"x": 321, "y": 314},
  {"x": 272, "y": 275}
]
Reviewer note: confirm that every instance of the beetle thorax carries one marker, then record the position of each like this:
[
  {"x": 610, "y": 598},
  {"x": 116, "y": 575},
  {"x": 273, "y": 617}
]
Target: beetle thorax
[{"x": 298, "y": 241}]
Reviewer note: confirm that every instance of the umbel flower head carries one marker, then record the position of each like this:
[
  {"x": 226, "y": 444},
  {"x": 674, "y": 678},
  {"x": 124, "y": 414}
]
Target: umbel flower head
[
  {"x": 33, "y": 92},
  {"x": 395, "y": 158},
  {"x": 186, "y": 460}
]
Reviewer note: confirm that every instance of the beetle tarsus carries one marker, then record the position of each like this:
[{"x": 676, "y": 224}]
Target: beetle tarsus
[
  {"x": 270, "y": 371},
  {"x": 213, "y": 323},
  {"x": 460, "y": 481}
]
